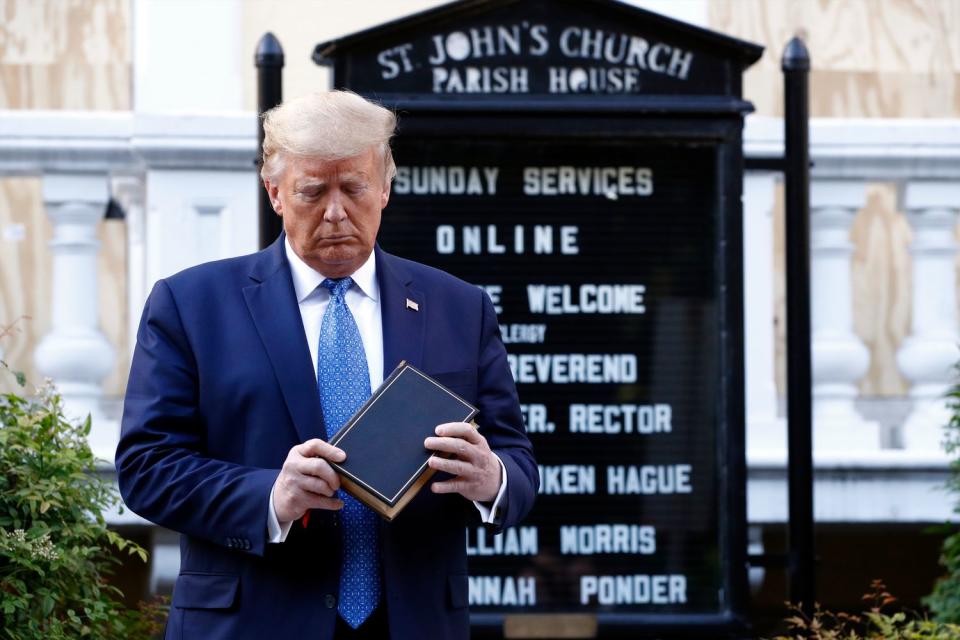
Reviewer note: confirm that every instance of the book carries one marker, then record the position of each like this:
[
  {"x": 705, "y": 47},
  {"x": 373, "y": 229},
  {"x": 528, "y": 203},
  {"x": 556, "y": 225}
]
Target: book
[{"x": 386, "y": 461}]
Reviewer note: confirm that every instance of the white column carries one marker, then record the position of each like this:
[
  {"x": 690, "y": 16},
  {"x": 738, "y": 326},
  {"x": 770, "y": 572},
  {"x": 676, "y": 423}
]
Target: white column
[
  {"x": 839, "y": 356},
  {"x": 928, "y": 354},
  {"x": 75, "y": 354},
  {"x": 766, "y": 433},
  {"x": 129, "y": 192}
]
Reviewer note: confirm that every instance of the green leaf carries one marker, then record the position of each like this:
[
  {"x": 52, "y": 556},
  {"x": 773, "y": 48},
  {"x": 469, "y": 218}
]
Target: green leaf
[
  {"x": 47, "y": 605},
  {"x": 54, "y": 577}
]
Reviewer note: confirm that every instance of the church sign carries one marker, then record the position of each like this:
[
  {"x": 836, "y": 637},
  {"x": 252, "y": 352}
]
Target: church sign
[{"x": 582, "y": 163}]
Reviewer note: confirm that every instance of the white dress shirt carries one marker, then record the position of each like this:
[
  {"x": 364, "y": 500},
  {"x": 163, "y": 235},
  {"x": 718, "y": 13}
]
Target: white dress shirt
[{"x": 363, "y": 300}]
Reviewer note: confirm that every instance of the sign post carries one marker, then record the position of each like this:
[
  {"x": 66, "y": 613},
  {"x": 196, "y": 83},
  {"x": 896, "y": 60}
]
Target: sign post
[
  {"x": 582, "y": 163},
  {"x": 269, "y": 61}
]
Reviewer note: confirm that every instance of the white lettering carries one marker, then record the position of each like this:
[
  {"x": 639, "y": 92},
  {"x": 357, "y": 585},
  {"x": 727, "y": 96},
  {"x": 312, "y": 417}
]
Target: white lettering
[
  {"x": 445, "y": 241},
  {"x": 523, "y": 333},
  {"x": 609, "y": 182},
  {"x": 586, "y": 299},
  {"x": 573, "y": 368},
  {"x": 513, "y": 541},
  {"x": 649, "y": 479},
  {"x": 608, "y": 538},
  {"x": 502, "y": 590},
  {"x": 478, "y": 239},
  {"x": 633, "y": 589},
  {"x": 567, "y": 479},
  {"x": 457, "y": 181},
  {"x": 481, "y": 79},
  {"x": 535, "y": 418},
  {"x": 612, "y": 419},
  {"x": 494, "y": 291}
]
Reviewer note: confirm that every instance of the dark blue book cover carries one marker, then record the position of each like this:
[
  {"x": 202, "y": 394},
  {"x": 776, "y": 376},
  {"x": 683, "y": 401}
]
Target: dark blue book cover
[{"x": 386, "y": 461}]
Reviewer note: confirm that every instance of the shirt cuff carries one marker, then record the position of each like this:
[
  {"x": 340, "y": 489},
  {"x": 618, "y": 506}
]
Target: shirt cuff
[
  {"x": 489, "y": 515},
  {"x": 277, "y": 532}
]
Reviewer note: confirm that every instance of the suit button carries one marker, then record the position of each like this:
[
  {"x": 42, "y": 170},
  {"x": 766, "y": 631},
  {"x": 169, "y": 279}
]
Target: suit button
[{"x": 330, "y": 601}]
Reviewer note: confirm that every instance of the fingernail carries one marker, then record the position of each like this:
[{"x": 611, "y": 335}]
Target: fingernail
[{"x": 439, "y": 431}]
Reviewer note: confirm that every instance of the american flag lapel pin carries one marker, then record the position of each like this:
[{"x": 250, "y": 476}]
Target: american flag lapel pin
[{"x": 412, "y": 305}]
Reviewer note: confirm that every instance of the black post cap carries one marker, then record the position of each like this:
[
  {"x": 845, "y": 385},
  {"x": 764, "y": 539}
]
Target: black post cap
[
  {"x": 795, "y": 56},
  {"x": 269, "y": 52}
]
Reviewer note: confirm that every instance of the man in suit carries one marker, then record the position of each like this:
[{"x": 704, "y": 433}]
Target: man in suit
[{"x": 244, "y": 367}]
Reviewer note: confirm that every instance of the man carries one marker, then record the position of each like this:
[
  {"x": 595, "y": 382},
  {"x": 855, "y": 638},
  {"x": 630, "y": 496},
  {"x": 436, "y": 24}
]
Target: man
[{"x": 244, "y": 367}]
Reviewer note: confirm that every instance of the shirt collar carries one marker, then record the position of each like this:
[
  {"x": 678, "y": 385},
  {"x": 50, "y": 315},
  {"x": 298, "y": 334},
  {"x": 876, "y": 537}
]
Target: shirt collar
[{"x": 306, "y": 279}]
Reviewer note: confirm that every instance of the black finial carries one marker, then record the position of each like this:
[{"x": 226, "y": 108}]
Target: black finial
[
  {"x": 269, "y": 52},
  {"x": 795, "y": 56}
]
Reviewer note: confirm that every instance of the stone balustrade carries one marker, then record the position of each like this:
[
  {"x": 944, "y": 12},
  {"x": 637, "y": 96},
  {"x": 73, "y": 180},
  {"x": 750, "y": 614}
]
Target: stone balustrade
[{"x": 188, "y": 188}]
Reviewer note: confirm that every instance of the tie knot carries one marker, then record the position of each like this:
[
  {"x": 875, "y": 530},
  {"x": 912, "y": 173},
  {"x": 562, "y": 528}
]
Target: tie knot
[{"x": 337, "y": 286}]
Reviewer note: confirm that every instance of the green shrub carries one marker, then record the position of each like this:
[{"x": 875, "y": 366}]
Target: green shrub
[
  {"x": 944, "y": 601},
  {"x": 873, "y": 624},
  {"x": 56, "y": 552}
]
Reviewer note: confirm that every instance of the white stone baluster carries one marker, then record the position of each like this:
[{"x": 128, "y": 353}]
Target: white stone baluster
[
  {"x": 766, "y": 433},
  {"x": 130, "y": 194},
  {"x": 75, "y": 353},
  {"x": 839, "y": 356},
  {"x": 927, "y": 355}
]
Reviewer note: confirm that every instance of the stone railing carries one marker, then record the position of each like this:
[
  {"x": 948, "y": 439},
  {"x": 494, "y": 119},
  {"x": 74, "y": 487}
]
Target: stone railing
[
  {"x": 860, "y": 476},
  {"x": 188, "y": 190}
]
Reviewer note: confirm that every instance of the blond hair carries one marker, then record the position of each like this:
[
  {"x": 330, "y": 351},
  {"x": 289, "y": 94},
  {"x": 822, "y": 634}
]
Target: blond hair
[{"x": 330, "y": 125}]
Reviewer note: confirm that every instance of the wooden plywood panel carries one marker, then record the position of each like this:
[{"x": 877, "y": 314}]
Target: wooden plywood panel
[
  {"x": 895, "y": 58},
  {"x": 112, "y": 283},
  {"x": 779, "y": 292},
  {"x": 881, "y": 287},
  {"x": 302, "y": 24},
  {"x": 25, "y": 268},
  {"x": 59, "y": 54},
  {"x": 65, "y": 54},
  {"x": 843, "y": 94},
  {"x": 26, "y": 275}
]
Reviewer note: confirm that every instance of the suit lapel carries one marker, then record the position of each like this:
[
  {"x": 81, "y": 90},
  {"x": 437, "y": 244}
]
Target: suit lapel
[
  {"x": 403, "y": 323},
  {"x": 273, "y": 305}
]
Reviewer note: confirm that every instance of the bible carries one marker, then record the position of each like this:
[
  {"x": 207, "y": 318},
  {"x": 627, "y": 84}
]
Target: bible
[{"x": 386, "y": 461}]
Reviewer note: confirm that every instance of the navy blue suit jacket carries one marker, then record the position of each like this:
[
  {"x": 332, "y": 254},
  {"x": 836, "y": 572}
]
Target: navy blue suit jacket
[{"x": 221, "y": 387}]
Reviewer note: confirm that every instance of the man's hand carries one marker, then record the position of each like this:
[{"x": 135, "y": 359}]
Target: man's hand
[
  {"x": 475, "y": 467},
  {"x": 307, "y": 481}
]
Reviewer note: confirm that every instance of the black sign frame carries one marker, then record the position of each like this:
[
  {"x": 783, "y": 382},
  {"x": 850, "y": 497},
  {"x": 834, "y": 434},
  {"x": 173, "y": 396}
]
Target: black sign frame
[
  {"x": 723, "y": 134},
  {"x": 713, "y": 119}
]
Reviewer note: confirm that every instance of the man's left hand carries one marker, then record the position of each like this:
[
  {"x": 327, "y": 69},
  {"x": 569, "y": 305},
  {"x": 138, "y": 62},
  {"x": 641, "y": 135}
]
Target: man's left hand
[{"x": 475, "y": 468}]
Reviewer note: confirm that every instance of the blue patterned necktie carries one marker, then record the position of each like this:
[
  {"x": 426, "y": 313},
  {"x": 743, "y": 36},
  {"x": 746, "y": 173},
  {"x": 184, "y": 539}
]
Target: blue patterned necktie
[{"x": 344, "y": 384}]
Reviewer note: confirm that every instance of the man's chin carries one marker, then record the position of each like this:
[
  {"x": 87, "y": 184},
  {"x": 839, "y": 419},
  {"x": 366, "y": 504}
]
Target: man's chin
[{"x": 338, "y": 261}]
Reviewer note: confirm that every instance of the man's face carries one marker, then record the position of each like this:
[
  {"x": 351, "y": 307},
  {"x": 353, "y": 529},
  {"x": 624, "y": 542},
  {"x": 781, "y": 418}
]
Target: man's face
[{"x": 331, "y": 209}]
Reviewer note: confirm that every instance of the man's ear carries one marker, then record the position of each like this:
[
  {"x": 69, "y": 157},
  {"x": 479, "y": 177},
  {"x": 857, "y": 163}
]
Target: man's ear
[
  {"x": 385, "y": 194},
  {"x": 273, "y": 191}
]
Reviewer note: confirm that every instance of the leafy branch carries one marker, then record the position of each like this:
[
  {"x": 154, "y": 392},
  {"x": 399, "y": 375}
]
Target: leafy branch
[{"x": 56, "y": 552}]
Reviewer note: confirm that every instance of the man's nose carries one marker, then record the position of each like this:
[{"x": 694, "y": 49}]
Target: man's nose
[{"x": 334, "y": 212}]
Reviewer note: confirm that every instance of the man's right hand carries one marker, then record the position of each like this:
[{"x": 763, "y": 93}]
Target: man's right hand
[{"x": 307, "y": 481}]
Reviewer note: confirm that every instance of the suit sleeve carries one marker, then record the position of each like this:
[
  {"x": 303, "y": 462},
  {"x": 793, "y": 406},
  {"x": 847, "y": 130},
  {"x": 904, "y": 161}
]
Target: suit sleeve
[
  {"x": 163, "y": 472},
  {"x": 501, "y": 422}
]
